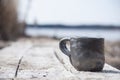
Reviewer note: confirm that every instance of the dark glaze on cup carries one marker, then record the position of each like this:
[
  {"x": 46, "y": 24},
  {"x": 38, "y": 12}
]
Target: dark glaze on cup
[{"x": 86, "y": 54}]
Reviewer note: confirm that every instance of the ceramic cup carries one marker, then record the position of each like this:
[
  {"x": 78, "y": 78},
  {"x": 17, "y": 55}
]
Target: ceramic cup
[{"x": 85, "y": 54}]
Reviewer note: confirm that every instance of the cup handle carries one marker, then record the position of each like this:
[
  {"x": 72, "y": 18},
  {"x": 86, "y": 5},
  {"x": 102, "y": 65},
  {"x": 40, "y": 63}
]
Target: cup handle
[{"x": 62, "y": 46}]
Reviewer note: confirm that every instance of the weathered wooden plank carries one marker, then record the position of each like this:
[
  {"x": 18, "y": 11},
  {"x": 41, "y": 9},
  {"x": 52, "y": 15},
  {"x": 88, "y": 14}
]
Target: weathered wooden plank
[
  {"x": 9, "y": 58},
  {"x": 108, "y": 73},
  {"x": 40, "y": 63}
]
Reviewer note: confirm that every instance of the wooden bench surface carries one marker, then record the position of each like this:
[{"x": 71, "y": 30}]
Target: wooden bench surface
[{"x": 24, "y": 60}]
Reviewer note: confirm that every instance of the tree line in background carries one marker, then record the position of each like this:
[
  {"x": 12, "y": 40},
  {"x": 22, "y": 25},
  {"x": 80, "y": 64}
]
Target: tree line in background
[{"x": 10, "y": 27}]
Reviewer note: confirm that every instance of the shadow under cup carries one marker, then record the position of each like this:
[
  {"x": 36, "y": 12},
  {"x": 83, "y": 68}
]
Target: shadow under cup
[{"x": 86, "y": 54}]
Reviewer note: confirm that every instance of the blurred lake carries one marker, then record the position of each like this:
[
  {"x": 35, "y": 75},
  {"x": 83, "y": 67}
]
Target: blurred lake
[{"x": 108, "y": 34}]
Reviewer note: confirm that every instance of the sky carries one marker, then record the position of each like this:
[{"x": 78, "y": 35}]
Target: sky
[{"x": 71, "y": 12}]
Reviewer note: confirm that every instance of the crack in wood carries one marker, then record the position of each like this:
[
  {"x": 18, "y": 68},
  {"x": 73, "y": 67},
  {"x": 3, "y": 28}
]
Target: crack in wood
[
  {"x": 19, "y": 62},
  {"x": 18, "y": 66},
  {"x": 61, "y": 61}
]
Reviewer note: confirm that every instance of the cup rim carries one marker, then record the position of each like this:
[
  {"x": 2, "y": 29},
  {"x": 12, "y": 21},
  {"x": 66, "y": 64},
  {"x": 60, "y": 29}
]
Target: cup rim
[{"x": 99, "y": 38}]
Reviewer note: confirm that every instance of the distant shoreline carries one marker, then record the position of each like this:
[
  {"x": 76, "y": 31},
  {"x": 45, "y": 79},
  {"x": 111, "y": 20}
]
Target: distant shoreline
[{"x": 75, "y": 27}]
